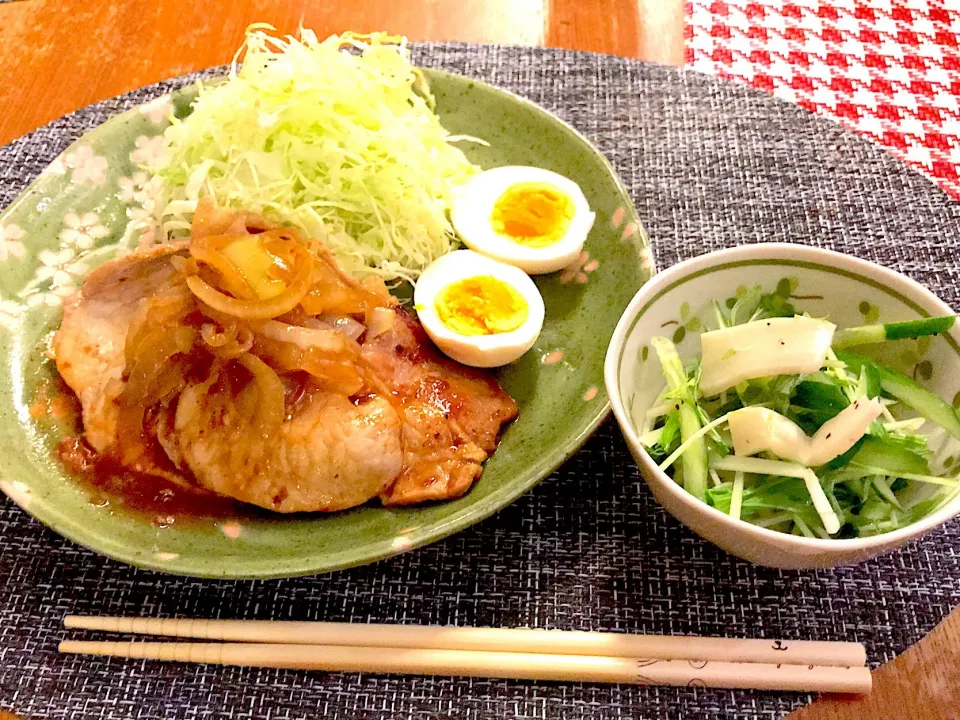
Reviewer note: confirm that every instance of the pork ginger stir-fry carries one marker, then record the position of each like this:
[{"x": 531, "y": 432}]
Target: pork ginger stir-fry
[{"x": 247, "y": 363}]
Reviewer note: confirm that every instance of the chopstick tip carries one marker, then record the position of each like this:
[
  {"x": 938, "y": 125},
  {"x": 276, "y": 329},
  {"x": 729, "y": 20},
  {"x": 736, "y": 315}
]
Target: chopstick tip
[{"x": 89, "y": 622}]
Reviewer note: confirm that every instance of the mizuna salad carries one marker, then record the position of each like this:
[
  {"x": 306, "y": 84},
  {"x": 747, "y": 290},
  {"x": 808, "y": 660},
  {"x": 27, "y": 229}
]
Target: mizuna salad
[{"x": 779, "y": 423}]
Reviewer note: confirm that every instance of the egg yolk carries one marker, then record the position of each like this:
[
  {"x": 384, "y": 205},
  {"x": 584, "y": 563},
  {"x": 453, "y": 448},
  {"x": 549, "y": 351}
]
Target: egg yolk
[
  {"x": 481, "y": 305},
  {"x": 533, "y": 214}
]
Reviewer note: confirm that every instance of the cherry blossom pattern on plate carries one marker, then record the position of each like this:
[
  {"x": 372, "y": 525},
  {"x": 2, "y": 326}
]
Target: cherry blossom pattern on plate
[
  {"x": 158, "y": 109},
  {"x": 401, "y": 543},
  {"x": 616, "y": 220},
  {"x": 87, "y": 167},
  {"x": 82, "y": 231},
  {"x": 132, "y": 188},
  {"x": 11, "y": 246},
  {"x": 145, "y": 231},
  {"x": 57, "y": 167},
  {"x": 149, "y": 151},
  {"x": 647, "y": 261},
  {"x": 646, "y": 252},
  {"x": 10, "y": 314},
  {"x": 579, "y": 269},
  {"x": 17, "y": 491},
  {"x": 140, "y": 191},
  {"x": 61, "y": 269}
]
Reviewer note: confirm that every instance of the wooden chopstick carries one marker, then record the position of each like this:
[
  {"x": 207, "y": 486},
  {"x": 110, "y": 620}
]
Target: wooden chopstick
[
  {"x": 519, "y": 640},
  {"x": 514, "y": 665}
]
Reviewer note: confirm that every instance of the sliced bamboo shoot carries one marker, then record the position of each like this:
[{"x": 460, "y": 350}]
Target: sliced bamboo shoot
[
  {"x": 762, "y": 348},
  {"x": 759, "y": 429}
]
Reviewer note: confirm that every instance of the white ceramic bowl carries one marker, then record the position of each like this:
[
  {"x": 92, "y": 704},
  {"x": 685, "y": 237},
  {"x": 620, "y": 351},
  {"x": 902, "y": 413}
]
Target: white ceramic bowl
[{"x": 848, "y": 291}]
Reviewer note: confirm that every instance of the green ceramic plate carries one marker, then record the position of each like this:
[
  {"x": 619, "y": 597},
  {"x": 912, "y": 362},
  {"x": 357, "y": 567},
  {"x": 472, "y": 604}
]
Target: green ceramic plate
[{"x": 67, "y": 221}]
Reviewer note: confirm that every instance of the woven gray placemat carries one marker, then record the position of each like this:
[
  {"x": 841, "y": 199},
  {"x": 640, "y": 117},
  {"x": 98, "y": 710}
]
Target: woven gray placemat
[{"x": 709, "y": 164}]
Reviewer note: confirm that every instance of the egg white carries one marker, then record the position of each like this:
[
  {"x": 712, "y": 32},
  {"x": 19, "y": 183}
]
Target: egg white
[
  {"x": 477, "y": 350},
  {"x": 473, "y": 206}
]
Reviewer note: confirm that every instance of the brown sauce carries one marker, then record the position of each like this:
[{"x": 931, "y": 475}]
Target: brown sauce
[
  {"x": 162, "y": 501},
  {"x": 109, "y": 484},
  {"x": 54, "y": 402}
]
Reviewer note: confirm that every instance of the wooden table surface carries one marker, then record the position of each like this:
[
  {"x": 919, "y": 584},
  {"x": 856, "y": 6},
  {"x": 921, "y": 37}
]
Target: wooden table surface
[{"x": 60, "y": 55}]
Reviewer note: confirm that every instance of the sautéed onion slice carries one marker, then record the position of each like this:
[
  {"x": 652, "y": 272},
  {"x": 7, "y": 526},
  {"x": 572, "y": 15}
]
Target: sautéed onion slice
[{"x": 259, "y": 307}]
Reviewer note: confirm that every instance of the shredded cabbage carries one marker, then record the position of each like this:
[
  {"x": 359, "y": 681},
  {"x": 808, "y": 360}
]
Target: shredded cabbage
[{"x": 337, "y": 138}]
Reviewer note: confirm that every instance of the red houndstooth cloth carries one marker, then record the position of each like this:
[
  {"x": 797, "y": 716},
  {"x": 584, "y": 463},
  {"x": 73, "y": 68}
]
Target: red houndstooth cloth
[{"x": 888, "y": 69}]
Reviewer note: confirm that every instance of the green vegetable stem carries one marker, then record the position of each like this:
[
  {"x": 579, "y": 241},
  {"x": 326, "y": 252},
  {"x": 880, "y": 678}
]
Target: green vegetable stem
[
  {"x": 908, "y": 392},
  {"x": 693, "y": 461},
  {"x": 869, "y": 334}
]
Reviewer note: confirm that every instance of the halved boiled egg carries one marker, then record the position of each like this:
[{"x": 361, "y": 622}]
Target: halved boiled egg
[
  {"x": 528, "y": 217},
  {"x": 477, "y": 310}
]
